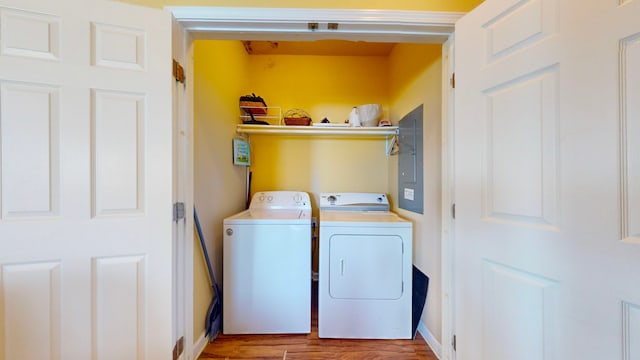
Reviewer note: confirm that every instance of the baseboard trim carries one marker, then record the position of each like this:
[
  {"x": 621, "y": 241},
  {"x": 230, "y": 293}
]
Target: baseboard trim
[
  {"x": 435, "y": 346},
  {"x": 199, "y": 345}
]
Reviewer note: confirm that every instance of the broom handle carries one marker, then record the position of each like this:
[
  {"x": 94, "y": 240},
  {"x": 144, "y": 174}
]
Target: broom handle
[{"x": 204, "y": 249}]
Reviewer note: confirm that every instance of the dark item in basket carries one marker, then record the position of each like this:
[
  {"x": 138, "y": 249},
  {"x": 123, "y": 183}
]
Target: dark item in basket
[{"x": 253, "y": 105}]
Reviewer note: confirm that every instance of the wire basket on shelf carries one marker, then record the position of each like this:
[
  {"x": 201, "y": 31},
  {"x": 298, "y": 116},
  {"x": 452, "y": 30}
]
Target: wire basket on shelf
[
  {"x": 253, "y": 105},
  {"x": 297, "y": 117}
]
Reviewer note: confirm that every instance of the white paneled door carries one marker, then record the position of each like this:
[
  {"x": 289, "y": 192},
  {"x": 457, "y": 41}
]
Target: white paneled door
[
  {"x": 85, "y": 181},
  {"x": 547, "y": 180}
]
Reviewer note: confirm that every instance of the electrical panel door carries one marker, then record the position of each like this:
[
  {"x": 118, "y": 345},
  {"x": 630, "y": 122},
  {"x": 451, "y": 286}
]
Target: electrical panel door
[{"x": 411, "y": 162}]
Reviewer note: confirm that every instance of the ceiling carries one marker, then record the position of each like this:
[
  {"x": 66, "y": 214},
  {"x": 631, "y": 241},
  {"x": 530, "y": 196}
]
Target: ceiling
[{"x": 318, "y": 47}]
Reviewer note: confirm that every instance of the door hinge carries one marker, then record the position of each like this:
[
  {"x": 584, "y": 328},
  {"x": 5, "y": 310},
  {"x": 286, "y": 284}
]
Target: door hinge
[
  {"x": 453, "y": 211},
  {"x": 178, "y": 72},
  {"x": 453, "y": 80},
  {"x": 453, "y": 343},
  {"x": 178, "y": 348},
  {"x": 178, "y": 211}
]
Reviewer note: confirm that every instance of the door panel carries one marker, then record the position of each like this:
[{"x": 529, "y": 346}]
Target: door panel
[
  {"x": 520, "y": 161},
  {"x": 30, "y": 34},
  {"x": 118, "y": 47},
  {"x": 38, "y": 285},
  {"x": 85, "y": 180},
  {"x": 520, "y": 306},
  {"x": 119, "y": 306},
  {"x": 519, "y": 24},
  {"x": 545, "y": 168},
  {"x": 29, "y": 136},
  {"x": 118, "y": 122}
]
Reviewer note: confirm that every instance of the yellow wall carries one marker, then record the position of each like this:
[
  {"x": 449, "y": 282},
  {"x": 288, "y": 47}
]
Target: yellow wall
[
  {"x": 424, "y": 5},
  {"x": 324, "y": 86},
  {"x": 416, "y": 73},
  {"x": 219, "y": 76}
]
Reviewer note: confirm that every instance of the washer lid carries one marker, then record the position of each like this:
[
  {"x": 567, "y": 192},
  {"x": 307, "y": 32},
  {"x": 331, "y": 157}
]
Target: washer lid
[
  {"x": 354, "y": 201},
  {"x": 270, "y": 216}
]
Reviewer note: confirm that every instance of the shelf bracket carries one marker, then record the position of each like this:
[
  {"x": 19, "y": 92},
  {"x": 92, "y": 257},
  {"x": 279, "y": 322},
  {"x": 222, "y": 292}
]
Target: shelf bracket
[
  {"x": 390, "y": 140},
  {"x": 243, "y": 135}
]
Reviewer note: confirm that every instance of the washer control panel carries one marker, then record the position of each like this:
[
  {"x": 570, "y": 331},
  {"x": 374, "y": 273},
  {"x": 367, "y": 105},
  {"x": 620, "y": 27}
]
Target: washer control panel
[{"x": 280, "y": 200}]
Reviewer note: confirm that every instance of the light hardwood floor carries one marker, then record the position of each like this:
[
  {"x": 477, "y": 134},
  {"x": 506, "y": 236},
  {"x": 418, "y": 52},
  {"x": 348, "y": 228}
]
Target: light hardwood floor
[{"x": 309, "y": 346}]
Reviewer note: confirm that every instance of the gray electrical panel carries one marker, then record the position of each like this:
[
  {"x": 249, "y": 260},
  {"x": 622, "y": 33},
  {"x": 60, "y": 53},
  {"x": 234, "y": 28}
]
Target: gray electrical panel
[{"x": 411, "y": 162}]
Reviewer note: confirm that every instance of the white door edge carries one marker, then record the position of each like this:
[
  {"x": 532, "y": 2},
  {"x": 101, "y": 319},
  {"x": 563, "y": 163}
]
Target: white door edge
[
  {"x": 447, "y": 234},
  {"x": 189, "y": 191},
  {"x": 183, "y": 192}
]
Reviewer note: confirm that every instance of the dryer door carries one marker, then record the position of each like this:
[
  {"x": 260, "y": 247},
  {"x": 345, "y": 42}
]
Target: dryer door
[{"x": 365, "y": 266}]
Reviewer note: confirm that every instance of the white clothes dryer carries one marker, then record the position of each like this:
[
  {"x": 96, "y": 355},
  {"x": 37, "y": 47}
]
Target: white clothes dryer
[
  {"x": 267, "y": 266},
  {"x": 365, "y": 268}
]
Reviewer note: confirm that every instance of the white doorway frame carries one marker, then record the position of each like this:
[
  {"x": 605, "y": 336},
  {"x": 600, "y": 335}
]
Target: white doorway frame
[{"x": 278, "y": 24}]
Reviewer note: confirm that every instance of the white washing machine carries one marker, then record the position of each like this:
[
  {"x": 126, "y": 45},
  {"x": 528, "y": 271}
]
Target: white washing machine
[
  {"x": 365, "y": 270},
  {"x": 267, "y": 266}
]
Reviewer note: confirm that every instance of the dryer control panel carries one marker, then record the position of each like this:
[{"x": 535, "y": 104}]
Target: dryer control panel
[
  {"x": 281, "y": 200},
  {"x": 354, "y": 201}
]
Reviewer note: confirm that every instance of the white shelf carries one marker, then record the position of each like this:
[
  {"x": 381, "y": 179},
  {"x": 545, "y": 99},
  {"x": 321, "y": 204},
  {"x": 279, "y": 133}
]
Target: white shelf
[
  {"x": 386, "y": 132},
  {"x": 383, "y": 131}
]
